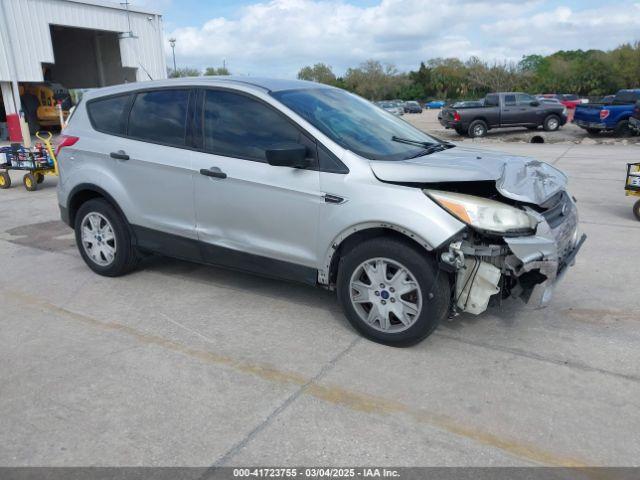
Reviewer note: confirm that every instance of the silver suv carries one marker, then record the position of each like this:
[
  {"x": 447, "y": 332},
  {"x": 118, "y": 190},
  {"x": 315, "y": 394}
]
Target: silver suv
[{"x": 310, "y": 183}]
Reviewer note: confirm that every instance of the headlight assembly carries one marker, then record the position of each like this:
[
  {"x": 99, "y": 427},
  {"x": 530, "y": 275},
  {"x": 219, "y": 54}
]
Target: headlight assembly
[{"x": 484, "y": 214}]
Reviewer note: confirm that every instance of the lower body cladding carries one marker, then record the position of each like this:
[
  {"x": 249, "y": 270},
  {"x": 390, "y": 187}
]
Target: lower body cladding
[{"x": 528, "y": 267}]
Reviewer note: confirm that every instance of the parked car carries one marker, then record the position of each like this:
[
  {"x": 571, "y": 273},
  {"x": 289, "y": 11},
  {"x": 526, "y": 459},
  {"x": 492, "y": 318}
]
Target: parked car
[
  {"x": 548, "y": 100},
  {"x": 281, "y": 177},
  {"x": 634, "y": 120},
  {"x": 434, "y": 104},
  {"x": 500, "y": 110},
  {"x": 391, "y": 107},
  {"x": 597, "y": 117},
  {"x": 569, "y": 100},
  {"x": 412, "y": 107}
]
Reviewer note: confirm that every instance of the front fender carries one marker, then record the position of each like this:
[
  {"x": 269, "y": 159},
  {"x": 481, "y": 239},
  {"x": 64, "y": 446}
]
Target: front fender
[{"x": 409, "y": 211}]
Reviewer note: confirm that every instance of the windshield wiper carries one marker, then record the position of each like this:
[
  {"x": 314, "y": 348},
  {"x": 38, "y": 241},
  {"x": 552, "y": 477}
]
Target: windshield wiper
[
  {"x": 431, "y": 148},
  {"x": 408, "y": 141}
]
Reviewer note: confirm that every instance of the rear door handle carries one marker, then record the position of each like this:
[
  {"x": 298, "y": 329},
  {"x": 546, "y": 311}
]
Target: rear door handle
[
  {"x": 213, "y": 172},
  {"x": 119, "y": 155}
]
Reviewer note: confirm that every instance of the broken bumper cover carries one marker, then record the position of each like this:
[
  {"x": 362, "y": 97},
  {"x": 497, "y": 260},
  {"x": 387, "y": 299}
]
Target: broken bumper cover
[
  {"x": 528, "y": 267},
  {"x": 551, "y": 270}
]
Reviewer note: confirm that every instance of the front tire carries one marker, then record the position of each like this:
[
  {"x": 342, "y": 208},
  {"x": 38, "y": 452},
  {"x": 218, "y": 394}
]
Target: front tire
[
  {"x": 636, "y": 210},
  {"x": 30, "y": 183},
  {"x": 104, "y": 240},
  {"x": 391, "y": 292},
  {"x": 551, "y": 123}
]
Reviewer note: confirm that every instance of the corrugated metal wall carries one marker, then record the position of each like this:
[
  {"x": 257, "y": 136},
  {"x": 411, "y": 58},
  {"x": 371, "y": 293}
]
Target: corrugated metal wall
[{"x": 28, "y": 26}]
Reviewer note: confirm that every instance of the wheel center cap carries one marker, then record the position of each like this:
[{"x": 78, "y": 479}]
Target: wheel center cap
[{"x": 384, "y": 294}]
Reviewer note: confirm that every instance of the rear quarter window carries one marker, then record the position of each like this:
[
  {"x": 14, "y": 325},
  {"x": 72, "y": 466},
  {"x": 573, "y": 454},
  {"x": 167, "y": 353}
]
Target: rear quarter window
[{"x": 109, "y": 115}]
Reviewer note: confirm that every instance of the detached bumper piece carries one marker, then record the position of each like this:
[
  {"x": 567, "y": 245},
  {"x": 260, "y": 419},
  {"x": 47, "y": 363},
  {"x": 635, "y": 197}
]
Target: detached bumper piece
[{"x": 527, "y": 267}]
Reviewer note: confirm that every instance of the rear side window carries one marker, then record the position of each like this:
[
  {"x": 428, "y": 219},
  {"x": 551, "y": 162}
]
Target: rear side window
[
  {"x": 491, "y": 101},
  {"x": 239, "y": 126},
  {"x": 109, "y": 115},
  {"x": 510, "y": 100},
  {"x": 160, "y": 116}
]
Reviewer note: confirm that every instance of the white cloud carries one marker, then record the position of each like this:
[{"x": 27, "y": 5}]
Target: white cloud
[{"x": 277, "y": 37}]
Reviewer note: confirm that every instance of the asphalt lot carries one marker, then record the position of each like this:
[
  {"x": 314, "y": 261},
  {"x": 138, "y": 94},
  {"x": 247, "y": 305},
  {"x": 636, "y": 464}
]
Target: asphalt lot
[
  {"x": 568, "y": 134},
  {"x": 181, "y": 364}
]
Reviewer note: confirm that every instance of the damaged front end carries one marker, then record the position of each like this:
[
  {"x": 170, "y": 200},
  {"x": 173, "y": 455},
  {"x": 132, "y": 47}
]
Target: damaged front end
[
  {"x": 486, "y": 265},
  {"x": 521, "y": 224}
]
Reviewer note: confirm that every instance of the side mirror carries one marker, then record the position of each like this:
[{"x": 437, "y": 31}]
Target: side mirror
[
  {"x": 535, "y": 103},
  {"x": 292, "y": 155}
]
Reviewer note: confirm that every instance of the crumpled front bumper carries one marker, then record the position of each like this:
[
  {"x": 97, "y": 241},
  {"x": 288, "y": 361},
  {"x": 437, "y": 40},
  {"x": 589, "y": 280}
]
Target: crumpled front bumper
[
  {"x": 528, "y": 267},
  {"x": 550, "y": 252}
]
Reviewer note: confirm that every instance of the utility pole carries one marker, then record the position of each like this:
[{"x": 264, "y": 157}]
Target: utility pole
[{"x": 172, "y": 42}]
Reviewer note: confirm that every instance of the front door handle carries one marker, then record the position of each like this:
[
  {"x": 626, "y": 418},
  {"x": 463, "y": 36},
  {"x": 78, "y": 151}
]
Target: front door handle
[
  {"x": 119, "y": 155},
  {"x": 213, "y": 172}
]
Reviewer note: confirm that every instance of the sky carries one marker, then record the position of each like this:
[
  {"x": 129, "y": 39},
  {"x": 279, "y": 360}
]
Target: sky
[{"x": 277, "y": 37}]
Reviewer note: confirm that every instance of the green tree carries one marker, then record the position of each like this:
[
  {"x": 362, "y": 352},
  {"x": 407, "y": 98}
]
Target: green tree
[
  {"x": 212, "y": 71},
  {"x": 318, "y": 73},
  {"x": 184, "y": 72}
]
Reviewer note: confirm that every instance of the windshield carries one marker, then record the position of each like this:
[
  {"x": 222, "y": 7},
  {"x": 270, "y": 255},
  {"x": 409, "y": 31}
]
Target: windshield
[{"x": 354, "y": 123}]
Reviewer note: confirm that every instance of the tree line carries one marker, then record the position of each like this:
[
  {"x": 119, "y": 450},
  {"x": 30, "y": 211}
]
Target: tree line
[{"x": 587, "y": 73}]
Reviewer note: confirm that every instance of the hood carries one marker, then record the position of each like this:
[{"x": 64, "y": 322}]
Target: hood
[{"x": 518, "y": 178}]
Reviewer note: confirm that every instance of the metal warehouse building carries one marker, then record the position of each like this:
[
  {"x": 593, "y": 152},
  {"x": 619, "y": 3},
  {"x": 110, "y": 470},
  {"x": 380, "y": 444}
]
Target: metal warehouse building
[{"x": 76, "y": 44}]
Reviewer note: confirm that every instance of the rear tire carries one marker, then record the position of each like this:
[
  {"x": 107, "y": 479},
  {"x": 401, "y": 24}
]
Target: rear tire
[
  {"x": 623, "y": 129},
  {"x": 5, "y": 180},
  {"x": 551, "y": 123},
  {"x": 106, "y": 246},
  {"x": 372, "y": 266},
  {"x": 478, "y": 128},
  {"x": 636, "y": 210},
  {"x": 39, "y": 178}
]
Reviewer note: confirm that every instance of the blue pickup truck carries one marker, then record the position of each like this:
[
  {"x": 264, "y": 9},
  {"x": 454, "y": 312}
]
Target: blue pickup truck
[{"x": 614, "y": 116}]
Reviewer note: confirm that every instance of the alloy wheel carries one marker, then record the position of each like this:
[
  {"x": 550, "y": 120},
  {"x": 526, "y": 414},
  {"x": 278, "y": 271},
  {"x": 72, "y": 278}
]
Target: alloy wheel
[
  {"x": 385, "y": 295},
  {"x": 98, "y": 239}
]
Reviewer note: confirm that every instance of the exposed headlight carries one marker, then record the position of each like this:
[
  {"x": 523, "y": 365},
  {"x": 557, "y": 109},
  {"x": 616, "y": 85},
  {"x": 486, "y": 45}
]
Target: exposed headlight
[{"x": 484, "y": 214}]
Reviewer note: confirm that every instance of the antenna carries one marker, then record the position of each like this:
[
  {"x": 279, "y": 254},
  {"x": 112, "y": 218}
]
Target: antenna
[{"x": 129, "y": 32}]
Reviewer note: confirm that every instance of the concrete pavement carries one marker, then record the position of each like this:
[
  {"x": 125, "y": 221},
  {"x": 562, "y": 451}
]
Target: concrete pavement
[{"x": 181, "y": 364}]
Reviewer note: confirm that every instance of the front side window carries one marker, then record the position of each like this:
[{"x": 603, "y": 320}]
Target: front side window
[
  {"x": 626, "y": 97},
  {"x": 160, "y": 116},
  {"x": 108, "y": 115},
  {"x": 354, "y": 123},
  {"x": 239, "y": 126}
]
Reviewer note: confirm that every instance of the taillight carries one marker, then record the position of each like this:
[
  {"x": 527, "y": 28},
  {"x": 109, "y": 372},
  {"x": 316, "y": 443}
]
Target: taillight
[
  {"x": 604, "y": 114},
  {"x": 65, "y": 141},
  {"x": 456, "y": 116}
]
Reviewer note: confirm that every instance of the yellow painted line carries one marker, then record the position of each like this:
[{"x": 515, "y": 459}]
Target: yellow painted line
[{"x": 335, "y": 395}]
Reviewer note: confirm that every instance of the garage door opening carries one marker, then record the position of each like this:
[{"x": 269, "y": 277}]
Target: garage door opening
[{"x": 86, "y": 58}]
